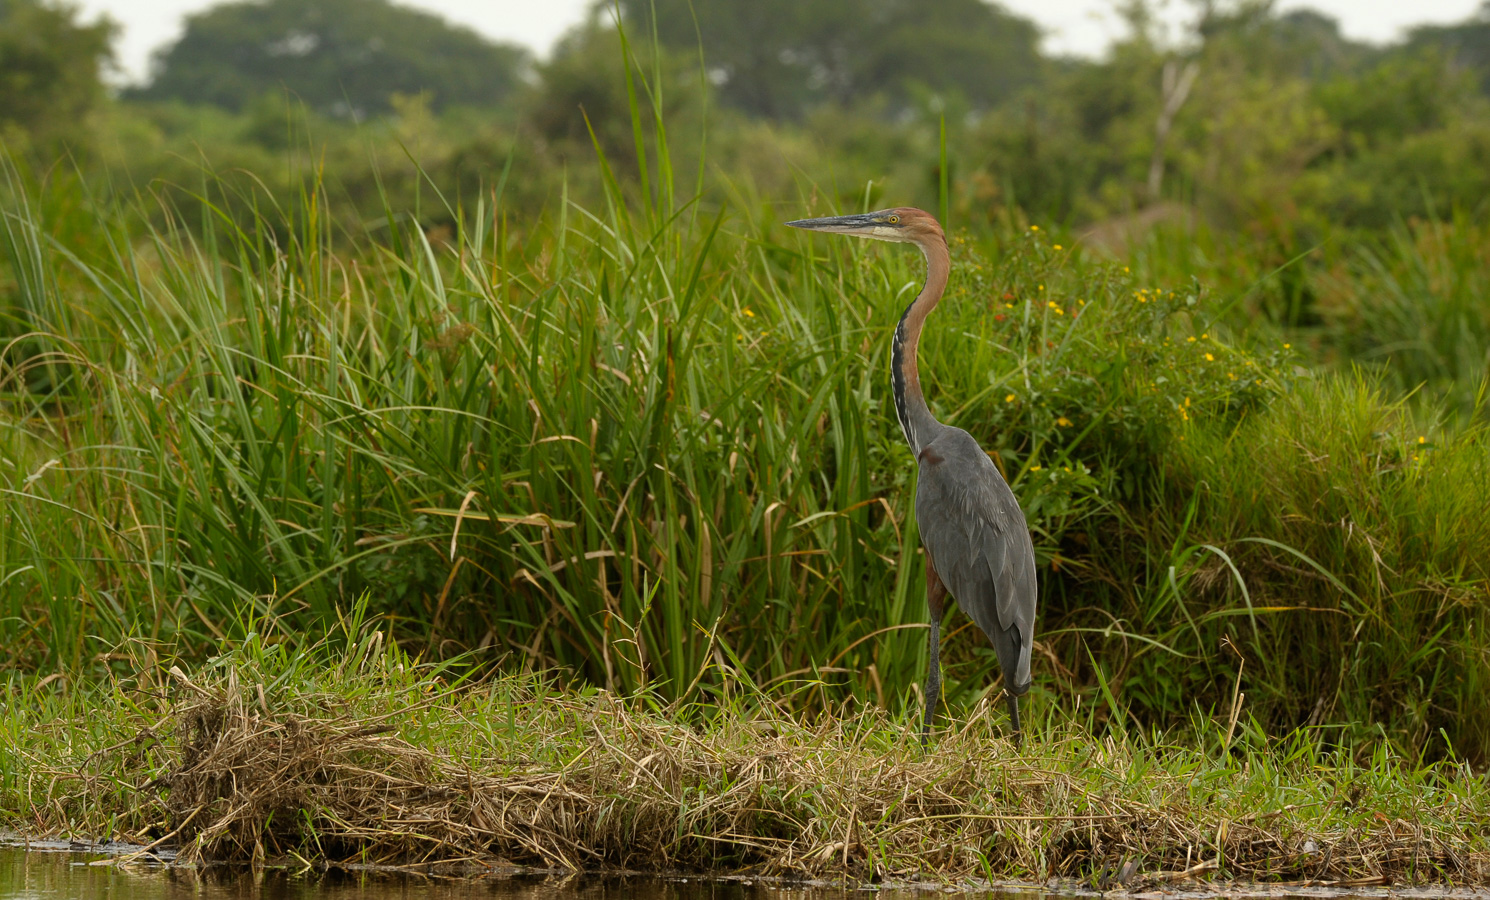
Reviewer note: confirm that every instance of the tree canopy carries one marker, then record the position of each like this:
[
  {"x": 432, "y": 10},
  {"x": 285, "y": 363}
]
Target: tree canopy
[
  {"x": 340, "y": 57},
  {"x": 779, "y": 58},
  {"x": 1467, "y": 42},
  {"x": 50, "y": 70}
]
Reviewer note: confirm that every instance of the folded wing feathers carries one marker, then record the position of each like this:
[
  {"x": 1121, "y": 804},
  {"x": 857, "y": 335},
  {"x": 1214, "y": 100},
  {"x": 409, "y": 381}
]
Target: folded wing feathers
[{"x": 975, "y": 532}]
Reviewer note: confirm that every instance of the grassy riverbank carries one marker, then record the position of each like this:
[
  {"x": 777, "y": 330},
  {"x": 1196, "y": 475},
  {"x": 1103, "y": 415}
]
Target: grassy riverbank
[
  {"x": 357, "y": 753},
  {"x": 615, "y": 440}
]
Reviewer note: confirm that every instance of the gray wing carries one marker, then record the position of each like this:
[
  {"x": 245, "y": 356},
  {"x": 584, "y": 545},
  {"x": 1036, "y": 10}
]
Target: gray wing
[{"x": 977, "y": 538}]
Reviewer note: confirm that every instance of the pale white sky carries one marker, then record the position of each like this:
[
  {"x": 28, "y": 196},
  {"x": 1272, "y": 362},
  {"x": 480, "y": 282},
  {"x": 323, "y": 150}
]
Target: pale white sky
[{"x": 1080, "y": 27}]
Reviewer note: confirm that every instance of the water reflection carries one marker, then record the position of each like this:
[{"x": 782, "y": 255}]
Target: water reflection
[
  {"x": 37, "y": 875},
  {"x": 42, "y": 875}
]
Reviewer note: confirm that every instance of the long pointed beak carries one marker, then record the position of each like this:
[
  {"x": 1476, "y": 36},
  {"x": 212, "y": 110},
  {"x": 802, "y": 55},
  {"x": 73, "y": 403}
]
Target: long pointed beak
[{"x": 862, "y": 223}]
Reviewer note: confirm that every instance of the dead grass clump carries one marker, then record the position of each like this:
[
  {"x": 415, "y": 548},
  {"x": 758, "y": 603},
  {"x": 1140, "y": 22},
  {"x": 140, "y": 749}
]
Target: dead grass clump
[
  {"x": 512, "y": 772},
  {"x": 250, "y": 784}
]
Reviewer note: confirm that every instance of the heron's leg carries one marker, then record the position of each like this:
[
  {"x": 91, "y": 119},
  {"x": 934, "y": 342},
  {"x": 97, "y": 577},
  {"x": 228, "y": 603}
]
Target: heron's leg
[
  {"x": 933, "y": 679},
  {"x": 936, "y": 594},
  {"x": 1013, "y": 703}
]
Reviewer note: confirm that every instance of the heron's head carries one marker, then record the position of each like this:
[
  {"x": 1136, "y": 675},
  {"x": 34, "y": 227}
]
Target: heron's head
[{"x": 904, "y": 224}]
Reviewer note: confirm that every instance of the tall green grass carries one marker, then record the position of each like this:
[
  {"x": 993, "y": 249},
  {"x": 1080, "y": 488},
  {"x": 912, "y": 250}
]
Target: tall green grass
[
  {"x": 645, "y": 440},
  {"x": 1411, "y": 304}
]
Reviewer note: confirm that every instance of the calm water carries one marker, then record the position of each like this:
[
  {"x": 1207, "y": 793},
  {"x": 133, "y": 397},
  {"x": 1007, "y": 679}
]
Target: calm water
[{"x": 42, "y": 875}]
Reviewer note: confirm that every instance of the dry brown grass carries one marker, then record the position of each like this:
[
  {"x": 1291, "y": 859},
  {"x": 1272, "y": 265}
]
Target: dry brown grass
[{"x": 231, "y": 764}]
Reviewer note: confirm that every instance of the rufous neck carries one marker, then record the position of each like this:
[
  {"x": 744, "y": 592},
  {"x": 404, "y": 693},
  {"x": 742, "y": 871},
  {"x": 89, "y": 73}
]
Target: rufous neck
[{"x": 910, "y": 403}]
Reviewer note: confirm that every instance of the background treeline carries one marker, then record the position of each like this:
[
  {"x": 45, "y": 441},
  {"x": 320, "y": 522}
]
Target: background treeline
[
  {"x": 1273, "y": 125},
  {"x": 525, "y": 363}
]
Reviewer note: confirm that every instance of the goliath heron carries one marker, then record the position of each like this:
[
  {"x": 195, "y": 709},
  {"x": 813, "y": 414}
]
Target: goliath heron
[{"x": 977, "y": 543}]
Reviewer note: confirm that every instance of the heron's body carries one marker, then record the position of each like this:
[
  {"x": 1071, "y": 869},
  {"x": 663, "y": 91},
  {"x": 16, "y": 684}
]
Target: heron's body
[{"x": 977, "y": 543}]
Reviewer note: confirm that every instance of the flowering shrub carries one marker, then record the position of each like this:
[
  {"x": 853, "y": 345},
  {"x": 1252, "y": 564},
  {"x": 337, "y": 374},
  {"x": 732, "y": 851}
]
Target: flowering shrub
[{"x": 1082, "y": 377}]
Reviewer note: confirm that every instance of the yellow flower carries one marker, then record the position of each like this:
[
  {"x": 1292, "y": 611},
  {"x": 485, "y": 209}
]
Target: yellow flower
[
  {"x": 1204, "y": 336},
  {"x": 1056, "y": 246},
  {"x": 1034, "y": 228},
  {"x": 1231, "y": 376},
  {"x": 1187, "y": 401},
  {"x": 1191, "y": 338},
  {"x": 1125, "y": 268},
  {"x": 1422, "y": 440},
  {"x": 1063, "y": 421},
  {"x": 1009, "y": 399},
  {"x": 1209, "y": 358},
  {"x": 1287, "y": 346},
  {"x": 1034, "y": 468},
  {"x": 749, "y": 313}
]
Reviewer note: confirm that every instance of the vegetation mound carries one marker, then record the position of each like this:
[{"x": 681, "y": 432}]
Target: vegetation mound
[{"x": 365, "y": 756}]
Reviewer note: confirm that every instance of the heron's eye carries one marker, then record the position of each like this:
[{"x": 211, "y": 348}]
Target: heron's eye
[{"x": 893, "y": 220}]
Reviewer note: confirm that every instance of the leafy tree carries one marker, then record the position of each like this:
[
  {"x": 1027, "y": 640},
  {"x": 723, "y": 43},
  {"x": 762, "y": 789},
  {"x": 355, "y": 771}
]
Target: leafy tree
[
  {"x": 1253, "y": 119},
  {"x": 1404, "y": 94},
  {"x": 50, "y": 72},
  {"x": 581, "y": 91},
  {"x": 1467, "y": 42},
  {"x": 1301, "y": 43},
  {"x": 344, "y": 58},
  {"x": 780, "y": 58}
]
